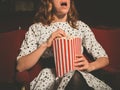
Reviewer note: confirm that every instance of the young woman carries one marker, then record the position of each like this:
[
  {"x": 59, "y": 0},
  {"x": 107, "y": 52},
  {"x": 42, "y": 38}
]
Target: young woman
[{"x": 58, "y": 18}]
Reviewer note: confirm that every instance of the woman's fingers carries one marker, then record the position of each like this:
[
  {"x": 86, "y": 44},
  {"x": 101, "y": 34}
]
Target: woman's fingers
[
  {"x": 56, "y": 34},
  {"x": 81, "y": 63},
  {"x": 82, "y": 68}
]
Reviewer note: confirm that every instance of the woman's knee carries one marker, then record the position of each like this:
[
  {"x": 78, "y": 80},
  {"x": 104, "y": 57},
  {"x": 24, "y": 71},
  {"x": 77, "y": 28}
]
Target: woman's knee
[
  {"x": 77, "y": 82},
  {"x": 77, "y": 77},
  {"x": 49, "y": 73}
]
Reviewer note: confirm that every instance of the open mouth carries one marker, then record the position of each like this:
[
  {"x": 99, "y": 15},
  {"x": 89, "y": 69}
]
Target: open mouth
[{"x": 63, "y": 4}]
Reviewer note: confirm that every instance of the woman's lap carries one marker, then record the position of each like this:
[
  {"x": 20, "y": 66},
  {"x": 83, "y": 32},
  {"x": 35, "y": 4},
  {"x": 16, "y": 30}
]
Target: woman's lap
[{"x": 46, "y": 80}]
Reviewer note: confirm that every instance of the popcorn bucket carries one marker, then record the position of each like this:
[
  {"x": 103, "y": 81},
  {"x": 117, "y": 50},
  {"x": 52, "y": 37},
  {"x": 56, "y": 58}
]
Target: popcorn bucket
[{"x": 65, "y": 50}]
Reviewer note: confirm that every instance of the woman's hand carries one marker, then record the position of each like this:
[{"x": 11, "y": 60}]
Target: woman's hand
[
  {"x": 81, "y": 63},
  {"x": 57, "y": 34}
]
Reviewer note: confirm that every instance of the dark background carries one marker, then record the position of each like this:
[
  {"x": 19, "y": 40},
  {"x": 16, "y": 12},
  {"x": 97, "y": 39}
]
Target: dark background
[
  {"x": 16, "y": 14},
  {"x": 100, "y": 12}
]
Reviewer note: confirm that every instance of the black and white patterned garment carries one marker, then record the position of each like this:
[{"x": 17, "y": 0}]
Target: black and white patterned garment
[{"x": 38, "y": 34}]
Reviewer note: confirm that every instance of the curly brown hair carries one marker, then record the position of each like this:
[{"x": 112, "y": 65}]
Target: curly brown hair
[{"x": 46, "y": 11}]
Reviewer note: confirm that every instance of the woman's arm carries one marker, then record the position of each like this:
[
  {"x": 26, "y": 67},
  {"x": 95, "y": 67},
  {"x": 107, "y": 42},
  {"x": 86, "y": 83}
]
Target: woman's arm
[
  {"x": 82, "y": 64},
  {"x": 29, "y": 60},
  {"x": 94, "y": 48},
  {"x": 98, "y": 64}
]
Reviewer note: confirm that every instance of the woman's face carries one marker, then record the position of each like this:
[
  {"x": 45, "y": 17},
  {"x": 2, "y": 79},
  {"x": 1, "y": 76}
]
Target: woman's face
[{"x": 61, "y": 6}]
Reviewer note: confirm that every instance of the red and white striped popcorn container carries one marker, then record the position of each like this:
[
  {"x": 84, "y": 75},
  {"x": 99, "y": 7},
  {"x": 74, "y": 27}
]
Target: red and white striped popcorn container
[{"x": 65, "y": 50}]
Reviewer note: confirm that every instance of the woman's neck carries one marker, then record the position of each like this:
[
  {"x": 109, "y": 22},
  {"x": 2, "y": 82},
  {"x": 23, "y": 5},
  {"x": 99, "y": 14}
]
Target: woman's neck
[{"x": 60, "y": 18}]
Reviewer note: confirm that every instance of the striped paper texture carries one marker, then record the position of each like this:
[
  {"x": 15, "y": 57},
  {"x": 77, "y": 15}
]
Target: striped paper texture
[{"x": 65, "y": 50}]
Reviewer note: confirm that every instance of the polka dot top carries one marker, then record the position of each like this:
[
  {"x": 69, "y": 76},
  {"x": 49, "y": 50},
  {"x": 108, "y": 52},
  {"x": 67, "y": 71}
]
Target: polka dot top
[{"x": 38, "y": 34}]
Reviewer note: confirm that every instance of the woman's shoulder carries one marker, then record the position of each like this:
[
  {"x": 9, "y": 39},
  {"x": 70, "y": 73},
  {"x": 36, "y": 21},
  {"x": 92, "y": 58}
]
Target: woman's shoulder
[
  {"x": 82, "y": 24},
  {"x": 35, "y": 25},
  {"x": 34, "y": 28}
]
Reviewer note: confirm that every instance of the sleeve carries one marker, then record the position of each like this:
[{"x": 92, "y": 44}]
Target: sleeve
[
  {"x": 91, "y": 44},
  {"x": 29, "y": 44}
]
